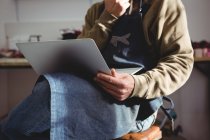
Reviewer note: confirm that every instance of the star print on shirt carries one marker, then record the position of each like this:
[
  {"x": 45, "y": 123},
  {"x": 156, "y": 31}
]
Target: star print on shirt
[{"x": 123, "y": 39}]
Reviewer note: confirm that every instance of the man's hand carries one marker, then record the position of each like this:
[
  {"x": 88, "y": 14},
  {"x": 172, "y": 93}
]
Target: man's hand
[
  {"x": 119, "y": 85},
  {"x": 116, "y": 7}
]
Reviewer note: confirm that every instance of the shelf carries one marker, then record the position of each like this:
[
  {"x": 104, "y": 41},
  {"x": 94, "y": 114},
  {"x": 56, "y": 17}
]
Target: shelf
[
  {"x": 22, "y": 62},
  {"x": 202, "y": 59},
  {"x": 14, "y": 63}
]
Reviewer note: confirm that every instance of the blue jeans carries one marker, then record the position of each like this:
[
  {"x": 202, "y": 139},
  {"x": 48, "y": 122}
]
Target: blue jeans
[{"x": 73, "y": 108}]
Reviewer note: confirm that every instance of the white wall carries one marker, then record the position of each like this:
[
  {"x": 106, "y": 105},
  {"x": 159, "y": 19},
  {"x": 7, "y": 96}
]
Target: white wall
[
  {"x": 40, "y": 11},
  {"x": 7, "y": 14},
  {"x": 198, "y": 15},
  {"x": 52, "y": 10}
]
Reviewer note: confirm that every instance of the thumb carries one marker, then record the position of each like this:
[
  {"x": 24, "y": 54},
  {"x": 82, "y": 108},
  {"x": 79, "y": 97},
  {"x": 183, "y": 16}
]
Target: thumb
[{"x": 113, "y": 72}]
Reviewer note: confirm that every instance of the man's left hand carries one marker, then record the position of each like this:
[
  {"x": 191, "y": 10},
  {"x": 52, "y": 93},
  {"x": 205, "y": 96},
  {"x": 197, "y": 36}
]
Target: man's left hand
[{"x": 119, "y": 85}]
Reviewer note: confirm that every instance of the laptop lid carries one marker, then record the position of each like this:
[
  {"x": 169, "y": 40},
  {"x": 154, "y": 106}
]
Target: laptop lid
[{"x": 64, "y": 55}]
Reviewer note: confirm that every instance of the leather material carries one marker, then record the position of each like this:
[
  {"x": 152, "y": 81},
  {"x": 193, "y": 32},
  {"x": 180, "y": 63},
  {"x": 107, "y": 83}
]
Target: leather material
[{"x": 153, "y": 133}]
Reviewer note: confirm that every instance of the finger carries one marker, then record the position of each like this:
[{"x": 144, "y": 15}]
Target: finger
[
  {"x": 108, "y": 85},
  {"x": 114, "y": 94},
  {"x": 127, "y": 5},
  {"x": 113, "y": 72},
  {"x": 125, "y": 2},
  {"x": 110, "y": 79}
]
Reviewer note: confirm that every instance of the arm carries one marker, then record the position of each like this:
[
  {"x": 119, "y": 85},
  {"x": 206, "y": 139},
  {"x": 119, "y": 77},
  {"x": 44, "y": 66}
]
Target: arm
[
  {"x": 100, "y": 19},
  {"x": 98, "y": 27},
  {"x": 176, "y": 54}
]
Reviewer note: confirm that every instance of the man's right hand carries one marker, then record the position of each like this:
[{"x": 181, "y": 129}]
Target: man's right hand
[{"x": 116, "y": 7}]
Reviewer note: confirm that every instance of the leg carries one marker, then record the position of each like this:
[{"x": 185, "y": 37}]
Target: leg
[
  {"x": 82, "y": 110},
  {"x": 32, "y": 115}
]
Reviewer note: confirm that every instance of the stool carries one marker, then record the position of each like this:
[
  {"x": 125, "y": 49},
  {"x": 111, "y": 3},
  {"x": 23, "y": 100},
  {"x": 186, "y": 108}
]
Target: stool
[{"x": 153, "y": 133}]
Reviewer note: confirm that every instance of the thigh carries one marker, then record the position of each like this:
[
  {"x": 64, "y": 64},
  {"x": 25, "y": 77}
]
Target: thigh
[
  {"x": 32, "y": 115},
  {"x": 80, "y": 110}
]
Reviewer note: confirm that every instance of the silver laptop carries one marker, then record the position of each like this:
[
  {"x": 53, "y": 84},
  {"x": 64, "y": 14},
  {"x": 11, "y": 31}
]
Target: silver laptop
[{"x": 66, "y": 55}]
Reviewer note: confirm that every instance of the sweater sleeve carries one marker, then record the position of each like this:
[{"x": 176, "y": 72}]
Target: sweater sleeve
[
  {"x": 98, "y": 25},
  {"x": 176, "y": 53}
]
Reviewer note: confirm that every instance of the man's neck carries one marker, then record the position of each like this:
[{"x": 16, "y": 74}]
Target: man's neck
[{"x": 136, "y": 6}]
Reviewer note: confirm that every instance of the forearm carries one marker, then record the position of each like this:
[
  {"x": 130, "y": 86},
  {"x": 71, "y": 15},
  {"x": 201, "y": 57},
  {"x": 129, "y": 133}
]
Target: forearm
[
  {"x": 98, "y": 27},
  {"x": 169, "y": 75},
  {"x": 175, "y": 53}
]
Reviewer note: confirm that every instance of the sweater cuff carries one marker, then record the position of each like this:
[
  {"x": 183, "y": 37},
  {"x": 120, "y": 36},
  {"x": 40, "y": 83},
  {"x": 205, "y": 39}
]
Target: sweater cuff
[
  {"x": 140, "y": 87},
  {"x": 107, "y": 19}
]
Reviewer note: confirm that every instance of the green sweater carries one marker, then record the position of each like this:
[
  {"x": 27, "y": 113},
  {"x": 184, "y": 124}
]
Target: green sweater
[{"x": 166, "y": 31}]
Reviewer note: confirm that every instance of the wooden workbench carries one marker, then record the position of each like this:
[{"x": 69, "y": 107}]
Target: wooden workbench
[{"x": 14, "y": 63}]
